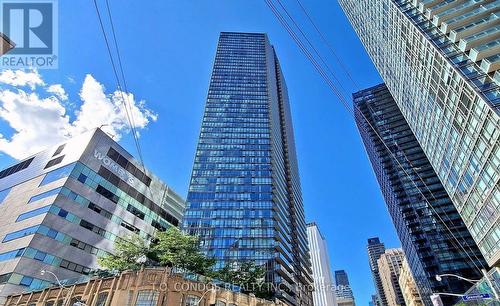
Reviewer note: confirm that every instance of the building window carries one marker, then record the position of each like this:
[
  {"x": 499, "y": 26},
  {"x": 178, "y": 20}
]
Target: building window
[
  {"x": 50, "y": 303},
  {"x": 135, "y": 211},
  {"x": 130, "y": 297},
  {"x": 11, "y": 254},
  {"x": 45, "y": 195},
  {"x": 74, "y": 267},
  {"x": 220, "y": 303},
  {"x": 130, "y": 227},
  {"x": 158, "y": 226},
  {"x": 100, "y": 210},
  {"x": 77, "y": 299},
  {"x": 3, "y": 194},
  {"x": 107, "y": 194},
  {"x": 101, "y": 299},
  {"x": 82, "y": 178},
  {"x": 59, "y": 150},
  {"x": 191, "y": 300},
  {"x": 16, "y": 168},
  {"x": 21, "y": 233},
  {"x": 62, "y": 213},
  {"x": 40, "y": 256},
  {"x": 57, "y": 174},
  {"x": 33, "y": 213},
  {"x": 147, "y": 298},
  {"x": 125, "y": 164},
  {"x": 5, "y": 278},
  {"x": 26, "y": 281},
  {"x": 54, "y": 161}
]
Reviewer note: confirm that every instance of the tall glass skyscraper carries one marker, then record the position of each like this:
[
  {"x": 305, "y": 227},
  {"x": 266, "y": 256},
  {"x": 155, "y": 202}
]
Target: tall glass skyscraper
[
  {"x": 244, "y": 199},
  {"x": 375, "y": 249},
  {"x": 440, "y": 61},
  {"x": 343, "y": 290},
  {"x": 429, "y": 246},
  {"x": 341, "y": 278}
]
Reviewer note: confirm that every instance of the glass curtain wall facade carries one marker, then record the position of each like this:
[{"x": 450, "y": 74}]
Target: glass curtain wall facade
[
  {"x": 244, "y": 199},
  {"x": 341, "y": 278},
  {"x": 440, "y": 60},
  {"x": 343, "y": 290},
  {"x": 415, "y": 197}
]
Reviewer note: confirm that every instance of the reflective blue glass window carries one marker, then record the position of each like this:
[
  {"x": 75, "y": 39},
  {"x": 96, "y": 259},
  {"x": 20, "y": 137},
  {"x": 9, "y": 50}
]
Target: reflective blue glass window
[
  {"x": 21, "y": 233},
  {"x": 52, "y": 233},
  {"x": 33, "y": 213},
  {"x": 58, "y": 173},
  {"x": 3, "y": 194},
  {"x": 62, "y": 213},
  {"x": 82, "y": 178},
  {"x": 40, "y": 255},
  {"x": 45, "y": 195},
  {"x": 11, "y": 254},
  {"x": 26, "y": 281}
]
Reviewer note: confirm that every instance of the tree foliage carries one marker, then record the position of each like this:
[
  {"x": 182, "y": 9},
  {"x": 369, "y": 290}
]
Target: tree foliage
[
  {"x": 175, "y": 249},
  {"x": 128, "y": 254},
  {"x": 170, "y": 248},
  {"x": 180, "y": 250}
]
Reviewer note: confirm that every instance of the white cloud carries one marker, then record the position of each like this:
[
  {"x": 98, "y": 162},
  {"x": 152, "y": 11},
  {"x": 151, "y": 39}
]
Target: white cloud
[
  {"x": 59, "y": 91},
  {"x": 21, "y": 78},
  {"x": 39, "y": 121}
]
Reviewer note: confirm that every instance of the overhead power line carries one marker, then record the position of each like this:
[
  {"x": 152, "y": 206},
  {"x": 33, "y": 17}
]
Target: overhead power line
[
  {"x": 125, "y": 101},
  {"x": 456, "y": 243},
  {"x": 325, "y": 41}
]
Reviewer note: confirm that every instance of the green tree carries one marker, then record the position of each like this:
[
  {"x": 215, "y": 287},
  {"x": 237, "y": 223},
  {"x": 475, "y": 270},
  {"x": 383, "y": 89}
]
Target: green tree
[
  {"x": 129, "y": 254},
  {"x": 180, "y": 250},
  {"x": 170, "y": 248}
]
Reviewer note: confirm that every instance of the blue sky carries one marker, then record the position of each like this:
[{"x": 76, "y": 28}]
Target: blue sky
[{"x": 167, "y": 51}]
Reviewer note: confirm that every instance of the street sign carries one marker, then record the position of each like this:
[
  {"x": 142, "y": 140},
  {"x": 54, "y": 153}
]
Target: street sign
[{"x": 476, "y": 297}]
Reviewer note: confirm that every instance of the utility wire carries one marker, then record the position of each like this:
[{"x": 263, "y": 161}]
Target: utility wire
[
  {"x": 320, "y": 70},
  {"x": 425, "y": 198},
  {"x": 312, "y": 47},
  {"x": 120, "y": 89},
  {"x": 125, "y": 101},
  {"x": 134, "y": 130},
  {"x": 415, "y": 171},
  {"x": 325, "y": 41}
]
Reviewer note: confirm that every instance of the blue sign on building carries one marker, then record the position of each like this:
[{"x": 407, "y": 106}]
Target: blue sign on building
[{"x": 475, "y": 297}]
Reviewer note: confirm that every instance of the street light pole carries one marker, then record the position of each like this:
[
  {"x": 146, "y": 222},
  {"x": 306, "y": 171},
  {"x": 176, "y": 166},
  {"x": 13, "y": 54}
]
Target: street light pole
[
  {"x": 472, "y": 281},
  {"x": 65, "y": 296},
  {"x": 439, "y": 278},
  {"x": 42, "y": 272},
  {"x": 203, "y": 295}
]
